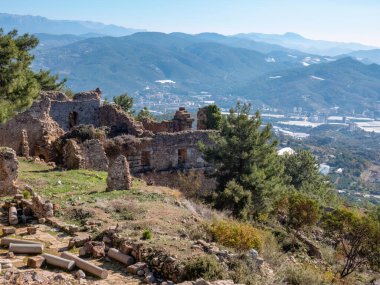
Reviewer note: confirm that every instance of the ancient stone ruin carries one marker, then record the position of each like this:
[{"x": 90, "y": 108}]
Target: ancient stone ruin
[
  {"x": 119, "y": 177},
  {"x": 8, "y": 171},
  {"x": 49, "y": 130}
]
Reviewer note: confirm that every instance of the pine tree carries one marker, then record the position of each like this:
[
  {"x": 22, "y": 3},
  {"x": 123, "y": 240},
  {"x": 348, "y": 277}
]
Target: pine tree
[
  {"x": 247, "y": 154},
  {"x": 214, "y": 117},
  {"x": 302, "y": 170},
  {"x": 19, "y": 85},
  {"x": 144, "y": 114},
  {"x": 125, "y": 102}
]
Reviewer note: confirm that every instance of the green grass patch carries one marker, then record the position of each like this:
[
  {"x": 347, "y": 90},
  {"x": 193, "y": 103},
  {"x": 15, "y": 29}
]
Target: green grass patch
[{"x": 76, "y": 185}]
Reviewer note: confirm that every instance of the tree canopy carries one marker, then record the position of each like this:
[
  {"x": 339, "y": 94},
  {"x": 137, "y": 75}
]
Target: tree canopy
[
  {"x": 19, "y": 84},
  {"x": 357, "y": 237},
  {"x": 245, "y": 153},
  {"x": 301, "y": 168},
  {"x": 214, "y": 117},
  {"x": 124, "y": 101},
  {"x": 144, "y": 114}
]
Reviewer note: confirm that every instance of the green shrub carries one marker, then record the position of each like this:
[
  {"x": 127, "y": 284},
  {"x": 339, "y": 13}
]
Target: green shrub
[
  {"x": 237, "y": 235},
  {"x": 26, "y": 194},
  {"x": 303, "y": 211},
  {"x": 244, "y": 271},
  {"x": 206, "y": 267},
  {"x": 79, "y": 215},
  {"x": 147, "y": 234},
  {"x": 302, "y": 275}
]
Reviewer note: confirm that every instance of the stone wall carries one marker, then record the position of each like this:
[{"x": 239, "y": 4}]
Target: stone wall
[
  {"x": 119, "y": 121},
  {"x": 72, "y": 155},
  {"x": 161, "y": 151},
  {"x": 182, "y": 121},
  {"x": 88, "y": 155},
  {"x": 159, "y": 146},
  {"x": 201, "y": 119},
  {"x": 72, "y": 113},
  {"x": 94, "y": 156},
  {"x": 166, "y": 150},
  {"x": 41, "y": 131},
  {"x": 8, "y": 171}
]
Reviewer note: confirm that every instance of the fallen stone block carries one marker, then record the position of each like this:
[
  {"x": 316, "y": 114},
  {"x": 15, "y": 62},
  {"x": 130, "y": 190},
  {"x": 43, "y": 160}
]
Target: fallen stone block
[
  {"x": 121, "y": 257},
  {"x": 7, "y": 241},
  {"x": 9, "y": 231},
  {"x": 19, "y": 197},
  {"x": 80, "y": 275},
  {"x": 35, "y": 261},
  {"x": 126, "y": 248},
  {"x": 86, "y": 266},
  {"x": 13, "y": 220},
  {"x": 42, "y": 220},
  {"x": 31, "y": 230},
  {"x": 26, "y": 248},
  {"x": 79, "y": 241},
  {"x": 94, "y": 248},
  {"x": 59, "y": 261},
  {"x": 133, "y": 269}
]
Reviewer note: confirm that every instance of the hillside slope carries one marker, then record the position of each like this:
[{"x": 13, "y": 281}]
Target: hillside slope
[
  {"x": 133, "y": 62},
  {"x": 346, "y": 83}
]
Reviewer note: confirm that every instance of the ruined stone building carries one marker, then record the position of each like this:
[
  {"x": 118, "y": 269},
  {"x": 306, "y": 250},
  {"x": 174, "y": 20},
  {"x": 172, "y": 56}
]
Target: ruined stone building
[{"x": 49, "y": 130}]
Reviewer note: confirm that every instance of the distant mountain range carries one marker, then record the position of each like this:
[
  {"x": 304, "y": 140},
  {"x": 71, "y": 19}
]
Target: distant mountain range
[
  {"x": 133, "y": 62},
  {"x": 37, "y": 24},
  {"x": 345, "y": 84},
  {"x": 296, "y": 41},
  {"x": 277, "y": 71},
  {"x": 367, "y": 56}
]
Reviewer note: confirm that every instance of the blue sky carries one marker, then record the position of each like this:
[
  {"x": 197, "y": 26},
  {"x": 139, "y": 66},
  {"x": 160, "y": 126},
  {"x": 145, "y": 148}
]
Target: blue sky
[{"x": 339, "y": 20}]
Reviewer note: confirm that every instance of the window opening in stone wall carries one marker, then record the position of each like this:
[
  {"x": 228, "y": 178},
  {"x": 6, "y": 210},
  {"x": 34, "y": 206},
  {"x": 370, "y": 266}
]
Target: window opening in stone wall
[
  {"x": 73, "y": 119},
  {"x": 145, "y": 159},
  {"x": 182, "y": 156}
]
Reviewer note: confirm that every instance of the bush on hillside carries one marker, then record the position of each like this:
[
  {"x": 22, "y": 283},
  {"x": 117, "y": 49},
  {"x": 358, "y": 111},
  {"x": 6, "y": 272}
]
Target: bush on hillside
[
  {"x": 303, "y": 211},
  {"x": 206, "y": 267},
  {"x": 236, "y": 235}
]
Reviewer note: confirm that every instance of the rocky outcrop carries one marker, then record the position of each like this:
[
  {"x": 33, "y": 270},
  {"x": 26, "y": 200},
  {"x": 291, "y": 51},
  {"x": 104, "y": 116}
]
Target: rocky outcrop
[
  {"x": 119, "y": 177},
  {"x": 8, "y": 171}
]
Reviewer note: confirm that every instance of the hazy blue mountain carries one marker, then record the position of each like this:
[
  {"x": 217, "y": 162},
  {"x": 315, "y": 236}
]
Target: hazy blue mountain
[
  {"x": 133, "y": 62},
  {"x": 297, "y": 42},
  {"x": 279, "y": 78},
  {"x": 367, "y": 56},
  {"x": 345, "y": 83},
  {"x": 47, "y": 41},
  {"x": 37, "y": 24}
]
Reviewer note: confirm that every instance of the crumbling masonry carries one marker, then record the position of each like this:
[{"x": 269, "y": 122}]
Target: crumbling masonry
[{"x": 42, "y": 130}]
